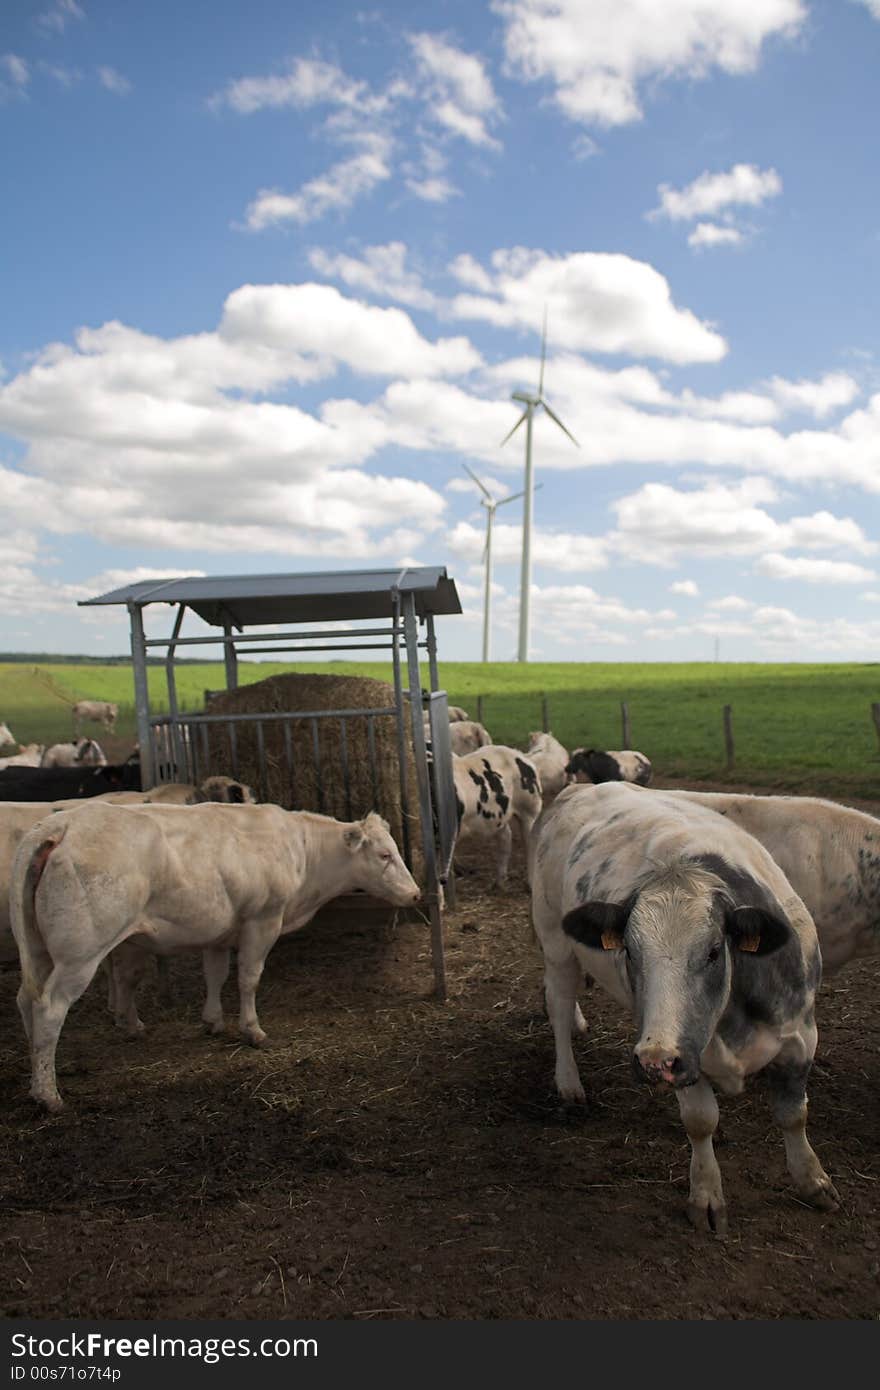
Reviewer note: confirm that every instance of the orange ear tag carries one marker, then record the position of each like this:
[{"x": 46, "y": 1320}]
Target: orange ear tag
[
  {"x": 610, "y": 941},
  {"x": 749, "y": 943}
]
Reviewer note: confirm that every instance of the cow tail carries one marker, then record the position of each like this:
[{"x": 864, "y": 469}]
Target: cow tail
[{"x": 36, "y": 963}]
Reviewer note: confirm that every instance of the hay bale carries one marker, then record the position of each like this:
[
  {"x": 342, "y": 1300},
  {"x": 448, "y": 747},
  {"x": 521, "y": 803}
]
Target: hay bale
[{"x": 314, "y": 776}]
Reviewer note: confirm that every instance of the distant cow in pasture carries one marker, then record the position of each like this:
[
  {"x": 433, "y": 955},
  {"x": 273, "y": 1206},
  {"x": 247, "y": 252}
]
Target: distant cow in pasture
[
  {"x": 466, "y": 736},
  {"x": 494, "y": 787},
  {"x": 551, "y": 760},
  {"x": 689, "y": 923},
  {"x": 830, "y": 855},
  {"x": 595, "y": 765},
  {"x": 94, "y": 712},
  {"x": 205, "y": 878},
  {"x": 82, "y": 752},
  {"x": 28, "y": 755}
]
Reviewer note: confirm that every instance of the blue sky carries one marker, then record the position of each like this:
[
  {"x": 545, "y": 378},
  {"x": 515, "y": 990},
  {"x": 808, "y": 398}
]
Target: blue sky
[{"x": 270, "y": 273}]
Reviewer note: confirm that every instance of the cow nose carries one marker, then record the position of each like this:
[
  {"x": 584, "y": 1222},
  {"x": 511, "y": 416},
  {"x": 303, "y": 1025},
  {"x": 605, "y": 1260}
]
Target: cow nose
[{"x": 658, "y": 1064}]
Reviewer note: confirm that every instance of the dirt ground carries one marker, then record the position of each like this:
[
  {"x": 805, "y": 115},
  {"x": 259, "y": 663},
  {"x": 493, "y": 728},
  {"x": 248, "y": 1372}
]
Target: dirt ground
[{"x": 388, "y": 1156}]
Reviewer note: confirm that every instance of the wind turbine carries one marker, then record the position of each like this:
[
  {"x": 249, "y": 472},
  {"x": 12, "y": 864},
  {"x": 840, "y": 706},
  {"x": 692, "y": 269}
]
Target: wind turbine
[
  {"x": 531, "y": 403},
  {"x": 491, "y": 505}
]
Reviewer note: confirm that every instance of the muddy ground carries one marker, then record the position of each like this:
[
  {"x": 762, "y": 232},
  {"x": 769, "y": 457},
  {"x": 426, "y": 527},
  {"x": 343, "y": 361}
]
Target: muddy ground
[{"x": 387, "y": 1156}]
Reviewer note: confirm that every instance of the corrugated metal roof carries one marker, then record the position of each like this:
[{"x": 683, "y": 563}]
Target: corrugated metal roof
[{"x": 250, "y": 600}]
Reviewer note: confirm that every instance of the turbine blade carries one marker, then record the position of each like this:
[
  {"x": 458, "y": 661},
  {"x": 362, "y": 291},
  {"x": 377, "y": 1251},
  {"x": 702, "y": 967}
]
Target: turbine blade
[
  {"x": 543, "y": 352},
  {"x": 513, "y": 496},
  {"x": 515, "y": 428},
  {"x": 555, "y": 418},
  {"x": 477, "y": 481}
]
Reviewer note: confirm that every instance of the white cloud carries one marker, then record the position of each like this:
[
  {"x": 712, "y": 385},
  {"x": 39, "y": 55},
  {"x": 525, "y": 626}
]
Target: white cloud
[
  {"x": 15, "y": 75},
  {"x": 818, "y": 398},
  {"x": 114, "y": 81},
  {"x": 731, "y": 603},
  {"x": 333, "y": 191},
  {"x": 59, "y": 15},
  {"x": 382, "y": 271},
  {"x": 306, "y": 82},
  {"x": 872, "y": 5},
  {"x": 572, "y": 554},
  {"x": 658, "y": 522},
  {"x": 710, "y": 194},
  {"x": 460, "y": 98},
  {"x": 433, "y": 190},
  {"x": 813, "y": 571},
  {"x": 596, "y": 302},
  {"x": 598, "y": 55},
  {"x": 467, "y": 485},
  {"x": 710, "y": 234},
  {"x": 687, "y": 587}
]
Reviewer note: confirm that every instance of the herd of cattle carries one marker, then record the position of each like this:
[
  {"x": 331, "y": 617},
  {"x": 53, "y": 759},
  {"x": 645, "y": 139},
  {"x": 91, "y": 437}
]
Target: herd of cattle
[{"x": 709, "y": 917}]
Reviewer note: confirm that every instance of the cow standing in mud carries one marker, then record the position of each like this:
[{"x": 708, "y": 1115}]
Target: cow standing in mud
[{"x": 688, "y": 923}]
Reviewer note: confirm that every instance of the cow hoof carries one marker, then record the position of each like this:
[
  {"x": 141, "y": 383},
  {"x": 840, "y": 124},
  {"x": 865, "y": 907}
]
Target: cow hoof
[
  {"x": 254, "y": 1035},
  {"x": 573, "y": 1095},
  {"x": 214, "y": 1026},
  {"x": 710, "y": 1219},
  {"x": 54, "y": 1104},
  {"x": 824, "y": 1197},
  {"x": 131, "y": 1030}
]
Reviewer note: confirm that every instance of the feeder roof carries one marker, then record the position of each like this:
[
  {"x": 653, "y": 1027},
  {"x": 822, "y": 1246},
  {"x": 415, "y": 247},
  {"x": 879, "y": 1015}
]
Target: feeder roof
[{"x": 252, "y": 600}]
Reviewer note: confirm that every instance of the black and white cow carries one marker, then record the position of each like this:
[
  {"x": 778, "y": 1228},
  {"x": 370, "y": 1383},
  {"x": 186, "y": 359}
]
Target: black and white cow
[
  {"x": 689, "y": 923},
  {"x": 59, "y": 783},
  {"x": 598, "y": 765},
  {"x": 494, "y": 787}
]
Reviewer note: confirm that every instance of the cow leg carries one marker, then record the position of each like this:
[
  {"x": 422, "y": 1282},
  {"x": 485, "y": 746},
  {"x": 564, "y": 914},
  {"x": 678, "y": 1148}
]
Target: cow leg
[
  {"x": 503, "y": 842},
  {"x": 254, "y": 945},
  {"x": 580, "y": 1023},
  {"x": 787, "y": 1080},
  {"x": 215, "y": 964},
  {"x": 127, "y": 965},
  {"x": 561, "y": 980},
  {"x": 24, "y": 999},
  {"x": 706, "y": 1209},
  {"x": 48, "y": 1012}
]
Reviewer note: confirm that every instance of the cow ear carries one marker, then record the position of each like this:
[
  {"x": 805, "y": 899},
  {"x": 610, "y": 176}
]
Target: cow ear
[
  {"x": 236, "y": 793},
  {"x": 598, "y": 925},
  {"x": 354, "y": 837},
  {"x": 755, "y": 930}
]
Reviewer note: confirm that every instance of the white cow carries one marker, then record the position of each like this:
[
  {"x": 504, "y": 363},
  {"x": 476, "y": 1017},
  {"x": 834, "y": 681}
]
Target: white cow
[
  {"x": 82, "y": 752},
  {"x": 494, "y": 787},
  {"x": 466, "y": 736},
  {"x": 173, "y": 879},
  {"x": 830, "y": 854},
  {"x": 6, "y": 735},
  {"x": 690, "y": 924},
  {"x": 95, "y": 712},
  {"x": 597, "y": 765},
  {"x": 456, "y": 713},
  {"x": 28, "y": 755},
  {"x": 551, "y": 760}
]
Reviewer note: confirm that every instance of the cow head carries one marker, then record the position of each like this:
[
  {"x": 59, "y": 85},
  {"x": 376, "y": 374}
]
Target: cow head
[
  {"x": 592, "y": 765},
  {"x": 679, "y": 935},
  {"x": 376, "y": 862}
]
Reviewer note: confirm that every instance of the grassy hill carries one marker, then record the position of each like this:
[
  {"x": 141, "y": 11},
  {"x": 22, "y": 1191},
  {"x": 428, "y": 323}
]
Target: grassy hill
[{"x": 798, "y": 727}]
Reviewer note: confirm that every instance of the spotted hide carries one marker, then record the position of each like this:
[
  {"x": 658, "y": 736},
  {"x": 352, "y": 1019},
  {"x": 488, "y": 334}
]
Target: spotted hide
[
  {"x": 687, "y": 922},
  {"x": 494, "y": 787}
]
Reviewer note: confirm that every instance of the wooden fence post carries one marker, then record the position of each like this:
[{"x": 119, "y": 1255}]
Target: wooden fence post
[
  {"x": 479, "y": 709},
  {"x": 875, "y": 715},
  {"x": 624, "y": 716},
  {"x": 728, "y": 733},
  {"x": 545, "y": 714}
]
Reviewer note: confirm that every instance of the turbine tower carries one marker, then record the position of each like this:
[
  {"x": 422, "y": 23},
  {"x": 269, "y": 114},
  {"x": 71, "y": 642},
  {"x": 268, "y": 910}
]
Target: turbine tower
[
  {"x": 531, "y": 403},
  {"x": 491, "y": 505}
]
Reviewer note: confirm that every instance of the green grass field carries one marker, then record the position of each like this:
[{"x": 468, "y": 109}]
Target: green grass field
[{"x": 796, "y": 727}]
